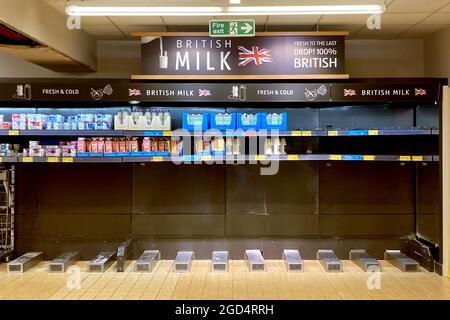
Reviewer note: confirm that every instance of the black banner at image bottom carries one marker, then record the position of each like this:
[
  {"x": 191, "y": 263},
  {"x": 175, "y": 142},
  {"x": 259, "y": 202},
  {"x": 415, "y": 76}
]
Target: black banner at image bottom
[{"x": 236, "y": 309}]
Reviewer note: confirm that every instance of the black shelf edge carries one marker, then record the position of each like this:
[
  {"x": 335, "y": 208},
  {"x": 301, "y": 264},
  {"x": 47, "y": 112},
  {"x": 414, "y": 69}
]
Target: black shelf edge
[
  {"x": 248, "y": 133},
  {"x": 422, "y": 158},
  {"x": 237, "y": 159},
  {"x": 63, "y": 133},
  {"x": 404, "y": 158},
  {"x": 288, "y": 133},
  {"x": 8, "y": 159},
  {"x": 291, "y": 157},
  {"x": 22, "y": 159}
]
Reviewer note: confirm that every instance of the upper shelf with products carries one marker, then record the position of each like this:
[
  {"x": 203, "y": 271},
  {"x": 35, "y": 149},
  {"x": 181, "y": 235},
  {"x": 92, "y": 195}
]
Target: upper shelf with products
[
  {"x": 378, "y": 121},
  {"x": 188, "y": 121},
  {"x": 93, "y": 108}
]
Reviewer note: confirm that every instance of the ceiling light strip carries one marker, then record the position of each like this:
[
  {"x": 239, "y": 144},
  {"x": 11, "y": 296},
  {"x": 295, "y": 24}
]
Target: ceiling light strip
[
  {"x": 142, "y": 11},
  {"x": 299, "y": 10},
  {"x": 211, "y": 11}
]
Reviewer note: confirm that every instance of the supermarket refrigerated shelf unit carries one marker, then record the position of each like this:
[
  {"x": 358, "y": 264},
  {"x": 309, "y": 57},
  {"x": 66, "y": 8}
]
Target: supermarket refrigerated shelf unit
[{"x": 389, "y": 142}]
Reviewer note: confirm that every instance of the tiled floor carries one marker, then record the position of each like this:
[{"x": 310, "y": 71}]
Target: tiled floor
[{"x": 238, "y": 283}]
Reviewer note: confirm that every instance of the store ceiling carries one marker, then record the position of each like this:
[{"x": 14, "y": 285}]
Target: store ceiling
[{"x": 403, "y": 19}]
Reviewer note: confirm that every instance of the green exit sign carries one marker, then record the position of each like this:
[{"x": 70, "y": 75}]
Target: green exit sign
[{"x": 232, "y": 28}]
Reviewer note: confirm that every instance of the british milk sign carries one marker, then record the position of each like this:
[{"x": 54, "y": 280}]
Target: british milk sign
[
  {"x": 277, "y": 56},
  {"x": 384, "y": 92}
]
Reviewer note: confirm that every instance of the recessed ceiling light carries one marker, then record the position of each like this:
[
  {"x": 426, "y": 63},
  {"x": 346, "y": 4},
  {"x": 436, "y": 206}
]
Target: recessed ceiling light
[{"x": 235, "y": 1}]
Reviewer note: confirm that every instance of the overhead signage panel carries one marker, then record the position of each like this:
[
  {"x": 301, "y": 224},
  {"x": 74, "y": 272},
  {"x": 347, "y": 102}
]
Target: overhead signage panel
[
  {"x": 232, "y": 92},
  {"x": 264, "y": 57}
]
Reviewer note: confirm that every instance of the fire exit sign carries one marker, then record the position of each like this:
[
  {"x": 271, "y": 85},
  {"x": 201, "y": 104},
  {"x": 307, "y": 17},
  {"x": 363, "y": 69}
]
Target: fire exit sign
[{"x": 232, "y": 28}]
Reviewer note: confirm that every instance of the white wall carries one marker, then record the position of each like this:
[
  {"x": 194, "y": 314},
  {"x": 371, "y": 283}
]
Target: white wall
[
  {"x": 119, "y": 59},
  {"x": 437, "y": 64},
  {"x": 365, "y": 58},
  {"x": 437, "y": 54},
  {"x": 446, "y": 181},
  {"x": 385, "y": 58}
]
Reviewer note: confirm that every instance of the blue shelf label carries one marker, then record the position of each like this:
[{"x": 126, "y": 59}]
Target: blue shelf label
[
  {"x": 358, "y": 133},
  {"x": 352, "y": 157},
  {"x": 153, "y": 133},
  {"x": 128, "y": 154},
  {"x": 90, "y": 154}
]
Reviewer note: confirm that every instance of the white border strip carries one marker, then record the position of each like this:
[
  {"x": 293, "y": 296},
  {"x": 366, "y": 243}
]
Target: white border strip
[{"x": 446, "y": 180}]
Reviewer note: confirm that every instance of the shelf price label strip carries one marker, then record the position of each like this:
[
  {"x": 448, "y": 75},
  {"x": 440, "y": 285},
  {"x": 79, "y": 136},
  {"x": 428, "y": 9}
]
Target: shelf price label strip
[
  {"x": 156, "y": 133},
  {"x": 170, "y": 133},
  {"x": 333, "y": 133},
  {"x": 335, "y": 157},
  {"x": 290, "y": 157},
  {"x": 369, "y": 158},
  {"x": 13, "y": 133},
  {"x": 249, "y": 133},
  {"x": 357, "y": 133},
  {"x": 301, "y": 133}
]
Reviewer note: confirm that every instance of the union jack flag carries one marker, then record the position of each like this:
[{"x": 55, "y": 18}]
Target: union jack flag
[
  {"x": 204, "y": 92},
  {"x": 349, "y": 92},
  {"x": 420, "y": 92},
  {"x": 255, "y": 54},
  {"x": 134, "y": 92}
]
